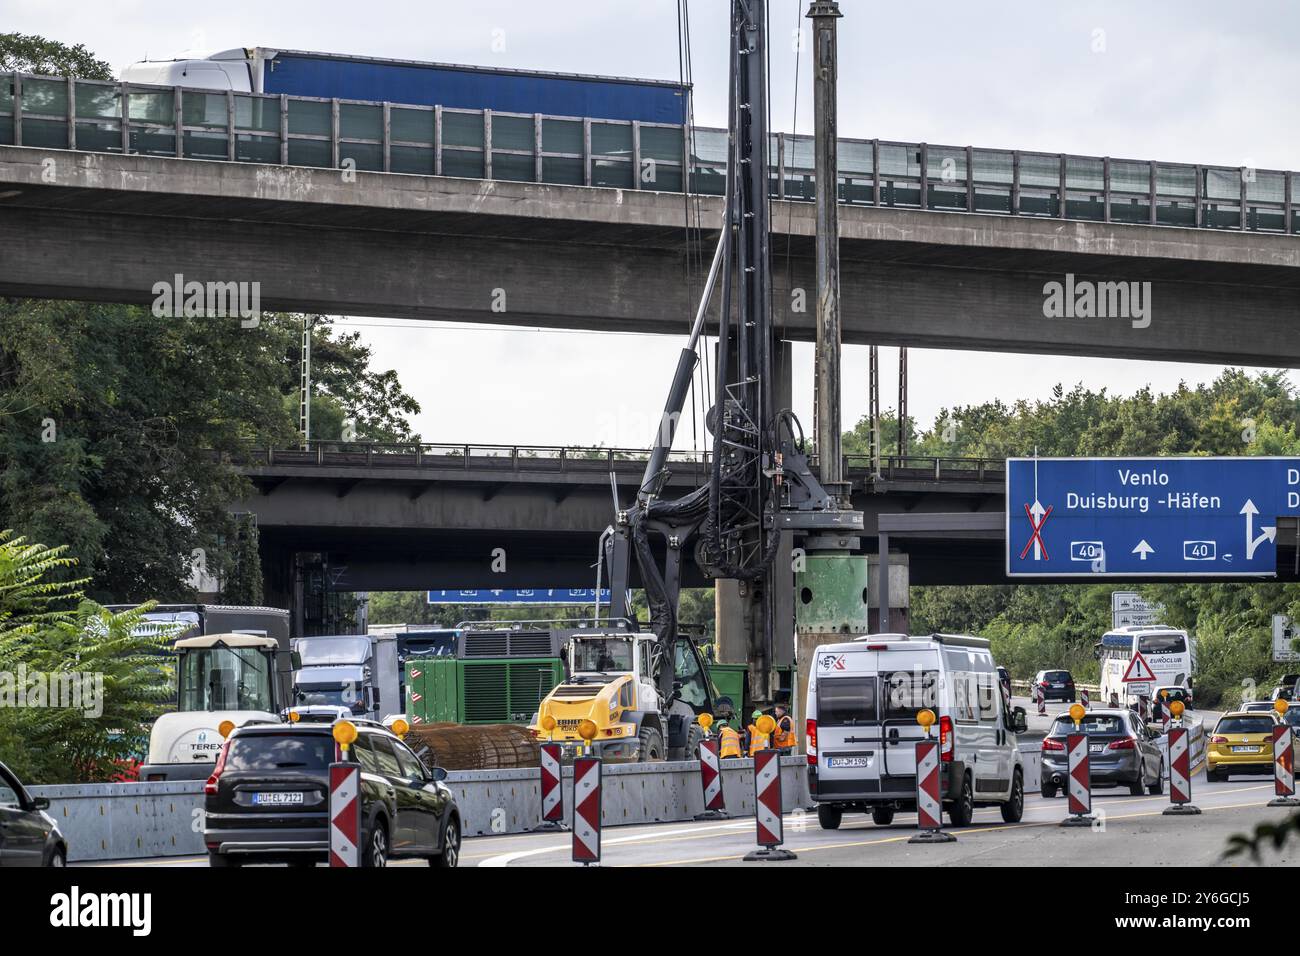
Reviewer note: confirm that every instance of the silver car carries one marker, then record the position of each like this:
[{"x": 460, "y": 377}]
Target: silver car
[{"x": 1122, "y": 751}]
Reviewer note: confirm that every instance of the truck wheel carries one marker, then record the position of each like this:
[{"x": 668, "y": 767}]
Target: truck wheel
[
  {"x": 829, "y": 817},
  {"x": 651, "y": 745},
  {"x": 1014, "y": 808},
  {"x": 962, "y": 811},
  {"x": 882, "y": 816}
]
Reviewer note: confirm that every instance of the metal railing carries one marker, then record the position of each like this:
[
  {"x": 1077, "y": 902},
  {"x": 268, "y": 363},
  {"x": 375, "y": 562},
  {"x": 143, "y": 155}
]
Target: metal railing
[
  {"x": 579, "y": 459},
  {"x": 70, "y": 113}
]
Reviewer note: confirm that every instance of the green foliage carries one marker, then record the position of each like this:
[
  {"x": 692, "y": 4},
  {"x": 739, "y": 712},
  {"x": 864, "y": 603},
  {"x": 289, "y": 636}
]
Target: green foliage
[
  {"x": 26, "y": 53},
  {"x": 27, "y": 599},
  {"x": 129, "y": 661},
  {"x": 110, "y": 415}
]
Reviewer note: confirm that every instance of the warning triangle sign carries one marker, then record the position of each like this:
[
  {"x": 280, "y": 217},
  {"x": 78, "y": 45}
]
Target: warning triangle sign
[{"x": 1139, "y": 671}]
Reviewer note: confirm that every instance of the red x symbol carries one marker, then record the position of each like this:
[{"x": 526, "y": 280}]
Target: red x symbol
[{"x": 1038, "y": 532}]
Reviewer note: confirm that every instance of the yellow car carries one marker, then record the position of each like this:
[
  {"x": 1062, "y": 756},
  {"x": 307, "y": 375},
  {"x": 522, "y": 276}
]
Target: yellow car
[{"x": 1242, "y": 742}]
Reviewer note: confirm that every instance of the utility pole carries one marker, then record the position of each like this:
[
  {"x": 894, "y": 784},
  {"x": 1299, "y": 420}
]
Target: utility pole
[
  {"x": 830, "y": 577},
  {"x": 826, "y": 422}
]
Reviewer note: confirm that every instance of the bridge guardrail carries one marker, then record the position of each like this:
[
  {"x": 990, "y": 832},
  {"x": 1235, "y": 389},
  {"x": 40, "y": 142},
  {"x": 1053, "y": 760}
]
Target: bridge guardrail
[
  {"x": 181, "y": 122},
  {"x": 552, "y": 458}
]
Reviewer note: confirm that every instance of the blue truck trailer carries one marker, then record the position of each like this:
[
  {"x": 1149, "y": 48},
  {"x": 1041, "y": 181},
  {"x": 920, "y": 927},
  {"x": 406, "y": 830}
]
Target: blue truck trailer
[{"x": 339, "y": 76}]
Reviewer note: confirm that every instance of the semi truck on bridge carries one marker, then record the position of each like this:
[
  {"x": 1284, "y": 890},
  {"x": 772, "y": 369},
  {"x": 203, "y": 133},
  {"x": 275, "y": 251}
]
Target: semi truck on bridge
[{"x": 269, "y": 70}]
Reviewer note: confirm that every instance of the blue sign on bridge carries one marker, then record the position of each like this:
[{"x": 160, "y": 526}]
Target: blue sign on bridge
[
  {"x": 519, "y": 596},
  {"x": 1157, "y": 517}
]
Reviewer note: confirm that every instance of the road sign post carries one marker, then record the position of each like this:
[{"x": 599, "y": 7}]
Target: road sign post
[
  {"x": 344, "y": 805},
  {"x": 1283, "y": 761},
  {"x": 552, "y": 786},
  {"x": 929, "y": 806},
  {"x": 767, "y": 800},
  {"x": 1180, "y": 769},
  {"x": 1078, "y": 787},
  {"x": 715, "y": 807}
]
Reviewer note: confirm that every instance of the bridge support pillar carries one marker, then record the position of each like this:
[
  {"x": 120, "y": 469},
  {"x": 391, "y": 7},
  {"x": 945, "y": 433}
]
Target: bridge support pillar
[{"x": 889, "y": 598}]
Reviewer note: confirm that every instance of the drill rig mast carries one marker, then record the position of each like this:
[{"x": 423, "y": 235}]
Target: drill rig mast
[{"x": 760, "y": 483}]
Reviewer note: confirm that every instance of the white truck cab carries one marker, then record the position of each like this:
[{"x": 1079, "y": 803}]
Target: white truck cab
[
  {"x": 219, "y": 678},
  {"x": 863, "y": 699}
]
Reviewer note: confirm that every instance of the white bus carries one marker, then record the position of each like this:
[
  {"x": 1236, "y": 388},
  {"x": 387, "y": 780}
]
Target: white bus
[{"x": 1170, "y": 653}]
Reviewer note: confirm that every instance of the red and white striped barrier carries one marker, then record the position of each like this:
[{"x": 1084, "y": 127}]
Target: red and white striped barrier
[
  {"x": 1083, "y": 697},
  {"x": 767, "y": 808},
  {"x": 1180, "y": 773},
  {"x": 1078, "y": 784},
  {"x": 586, "y": 810},
  {"x": 345, "y": 814},
  {"x": 929, "y": 805},
  {"x": 1283, "y": 768},
  {"x": 711, "y": 781},
  {"x": 552, "y": 789},
  {"x": 1040, "y": 698}
]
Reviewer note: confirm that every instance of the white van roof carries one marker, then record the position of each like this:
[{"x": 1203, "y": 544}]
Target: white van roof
[{"x": 950, "y": 640}]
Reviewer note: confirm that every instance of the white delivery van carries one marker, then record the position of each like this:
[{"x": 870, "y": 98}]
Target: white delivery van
[{"x": 863, "y": 698}]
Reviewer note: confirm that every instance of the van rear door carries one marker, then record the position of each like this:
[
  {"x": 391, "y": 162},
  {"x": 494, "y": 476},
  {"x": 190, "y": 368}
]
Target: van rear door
[
  {"x": 909, "y": 682},
  {"x": 848, "y": 729}
]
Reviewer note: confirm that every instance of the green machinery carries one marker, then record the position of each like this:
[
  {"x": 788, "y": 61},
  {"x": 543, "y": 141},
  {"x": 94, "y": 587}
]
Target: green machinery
[{"x": 495, "y": 676}]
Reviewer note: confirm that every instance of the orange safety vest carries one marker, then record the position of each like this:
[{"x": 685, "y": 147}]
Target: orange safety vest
[
  {"x": 730, "y": 742},
  {"x": 785, "y": 733},
  {"x": 757, "y": 741}
]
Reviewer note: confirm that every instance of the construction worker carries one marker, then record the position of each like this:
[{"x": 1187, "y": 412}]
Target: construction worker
[
  {"x": 783, "y": 738},
  {"x": 757, "y": 739},
  {"x": 728, "y": 740}
]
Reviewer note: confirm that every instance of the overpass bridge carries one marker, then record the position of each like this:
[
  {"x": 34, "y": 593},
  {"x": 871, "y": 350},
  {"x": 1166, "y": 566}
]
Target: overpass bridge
[
  {"x": 572, "y": 222},
  {"x": 411, "y": 517}
]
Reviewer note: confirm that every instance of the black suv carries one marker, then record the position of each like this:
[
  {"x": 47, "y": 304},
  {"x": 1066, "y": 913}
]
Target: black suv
[{"x": 268, "y": 798}]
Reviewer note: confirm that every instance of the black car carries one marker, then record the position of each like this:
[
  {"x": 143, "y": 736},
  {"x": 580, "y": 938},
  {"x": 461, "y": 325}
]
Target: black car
[
  {"x": 268, "y": 798},
  {"x": 1122, "y": 751},
  {"x": 28, "y": 835},
  {"x": 1056, "y": 685}
]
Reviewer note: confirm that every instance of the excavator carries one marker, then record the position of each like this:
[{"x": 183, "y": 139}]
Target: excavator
[{"x": 759, "y": 482}]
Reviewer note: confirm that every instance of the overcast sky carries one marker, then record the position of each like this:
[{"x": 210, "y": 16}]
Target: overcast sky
[{"x": 1187, "y": 81}]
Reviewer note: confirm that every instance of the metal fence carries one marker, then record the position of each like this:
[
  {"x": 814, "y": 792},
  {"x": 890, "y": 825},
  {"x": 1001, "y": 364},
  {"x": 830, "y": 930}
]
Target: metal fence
[
  {"x": 559, "y": 458},
  {"x": 59, "y": 113}
]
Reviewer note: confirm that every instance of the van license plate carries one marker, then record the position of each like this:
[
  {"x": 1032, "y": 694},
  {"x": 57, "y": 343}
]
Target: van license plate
[
  {"x": 848, "y": 762},
  {"x": 278, "y": 798}
]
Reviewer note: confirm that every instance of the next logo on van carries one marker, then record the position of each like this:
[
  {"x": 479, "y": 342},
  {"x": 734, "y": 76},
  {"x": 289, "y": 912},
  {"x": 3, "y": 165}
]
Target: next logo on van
[{"x": 832, "y": 662}]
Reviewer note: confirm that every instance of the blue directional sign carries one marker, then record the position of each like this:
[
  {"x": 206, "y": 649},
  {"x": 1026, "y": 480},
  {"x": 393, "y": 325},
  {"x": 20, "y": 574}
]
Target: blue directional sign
[
  {"x": 519, "y": 596},
  {"x": 1147, "y": 517}
]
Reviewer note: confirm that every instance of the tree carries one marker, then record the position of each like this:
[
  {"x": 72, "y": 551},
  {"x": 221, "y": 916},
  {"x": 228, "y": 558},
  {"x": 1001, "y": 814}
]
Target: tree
[
  {"x": 26, "y": 53},
  {"x": 117, "y": 426},
  {"x": 113, "y": 672}
]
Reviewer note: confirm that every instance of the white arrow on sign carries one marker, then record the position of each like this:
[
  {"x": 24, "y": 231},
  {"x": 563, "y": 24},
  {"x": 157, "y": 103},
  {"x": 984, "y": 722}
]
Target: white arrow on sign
[
  {"x": 1143, "y": 549},
  {"x": 1266, "y": 534},
  {"x": 1037, "y": 510}
]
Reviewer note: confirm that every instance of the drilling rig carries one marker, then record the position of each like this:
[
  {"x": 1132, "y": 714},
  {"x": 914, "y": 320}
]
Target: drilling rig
[{"x": 760, "y": 483}]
